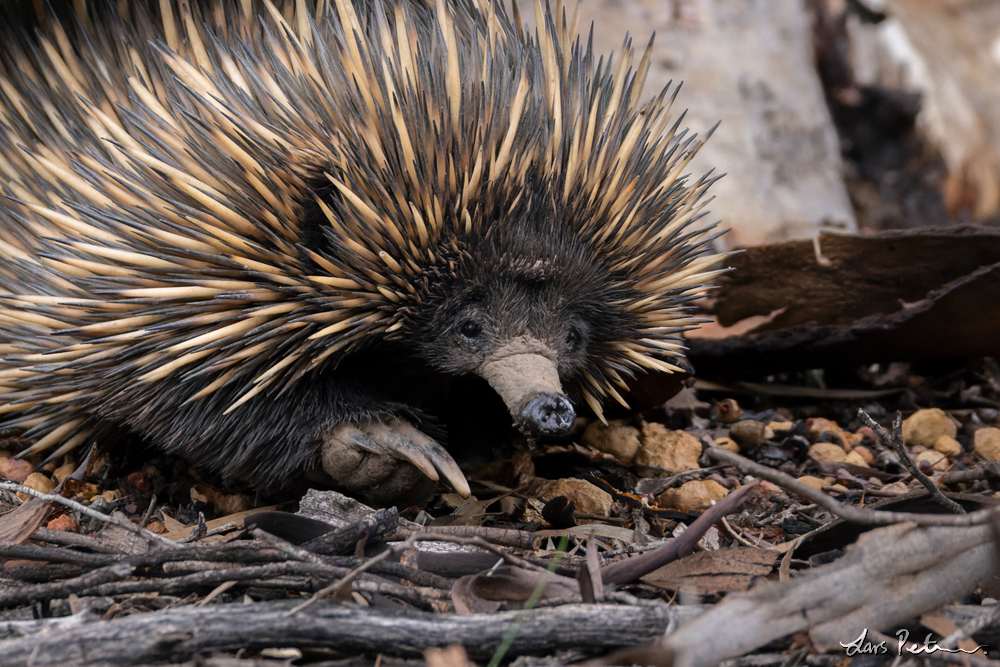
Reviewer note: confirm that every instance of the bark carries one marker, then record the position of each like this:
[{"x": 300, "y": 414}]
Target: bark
[{"x": 178, "y": 634}]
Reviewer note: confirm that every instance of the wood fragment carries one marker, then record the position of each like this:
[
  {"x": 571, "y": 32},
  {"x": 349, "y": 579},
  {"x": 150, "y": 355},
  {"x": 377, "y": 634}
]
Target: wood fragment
[
  {"x": 143, "y": 638},
  {"x": 890, "y": 575}
]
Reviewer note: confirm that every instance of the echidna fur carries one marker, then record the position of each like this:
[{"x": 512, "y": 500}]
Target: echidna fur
[{"x": 213, "y": 208}]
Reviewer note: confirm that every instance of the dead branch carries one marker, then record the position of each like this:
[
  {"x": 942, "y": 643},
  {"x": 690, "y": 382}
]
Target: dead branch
[
  {"x": 892, "y": 574},
  {"x": 895, "y": 440},
  {"x": 178, "y": 634}
]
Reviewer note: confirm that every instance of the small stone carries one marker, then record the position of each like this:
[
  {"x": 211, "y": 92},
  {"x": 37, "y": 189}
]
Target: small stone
[
  {"x": 768, "y": 490},
  {"x": 948, "y": 446},
  {"x": 819, "y": 425},
  {"x": 865, "y": 453},
  {"x": 65, "y": 523},
  {"x": 588, "y": 498},
  {"x": 728, "y": 411},
  {"x": 851, "y": 440},
  {"x": 693, "y": 494},
  {"x": 867, "y": 435},
  {"x": 63, "y": 471},
  {"x": 855, "y": 459},
  {"x": 781, "y": 427},
  {"x": 616, "y": 438},
  {"x": 16, "y": 470},
  {"x": 986, "y": 444},
  {"x": 827, "y": 452},
  {"x": 38, "y": 482},
  {"x": 924, "y": 427},
  {"x": 727, "y": 443},
  {"x": 936, "y": 460},
  {"x": 749, "y": 434},
  {"x": 676, "y": 451},
  {"x": 813, "y": 482}
]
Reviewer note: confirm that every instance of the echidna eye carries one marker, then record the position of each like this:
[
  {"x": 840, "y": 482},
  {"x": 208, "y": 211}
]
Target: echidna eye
[
  {"x": 471, "y": 330},
  {"x": 572, "y": 340}
]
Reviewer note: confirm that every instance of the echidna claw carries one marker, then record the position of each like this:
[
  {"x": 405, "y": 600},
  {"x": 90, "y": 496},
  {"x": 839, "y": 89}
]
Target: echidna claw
[
  {"x": 392, "y": 440},
  {"x": 362, "y": 441}
]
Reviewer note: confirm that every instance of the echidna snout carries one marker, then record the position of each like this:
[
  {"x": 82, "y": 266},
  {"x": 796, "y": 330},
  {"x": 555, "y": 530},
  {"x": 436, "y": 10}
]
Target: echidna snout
[
  {"x": 525, "y": 373},
  {"x": 548, "y": 414}
]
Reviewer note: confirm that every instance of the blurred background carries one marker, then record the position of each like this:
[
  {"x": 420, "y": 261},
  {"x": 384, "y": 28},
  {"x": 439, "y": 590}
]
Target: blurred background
[{"x": 850, "y": 115}]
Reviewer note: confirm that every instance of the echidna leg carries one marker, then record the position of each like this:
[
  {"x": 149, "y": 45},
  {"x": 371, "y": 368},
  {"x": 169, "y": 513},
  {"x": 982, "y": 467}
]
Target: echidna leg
[{"x": 386, "y": 461}]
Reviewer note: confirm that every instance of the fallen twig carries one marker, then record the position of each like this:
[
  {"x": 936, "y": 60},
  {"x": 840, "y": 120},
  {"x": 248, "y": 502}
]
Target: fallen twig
[
  {"x": 633, "y": 568},
  {"x": 181, "y": 633},
  {"x": 847, "y": 512},
  {"x": 117, "y": 520},
  {"x": 336, "y": 589},
  {"x": 895, "y": 440}
]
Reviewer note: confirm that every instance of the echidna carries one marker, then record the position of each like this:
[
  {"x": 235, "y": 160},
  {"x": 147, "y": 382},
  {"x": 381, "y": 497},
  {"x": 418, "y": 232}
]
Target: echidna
[{"x": 221, "y": 215}]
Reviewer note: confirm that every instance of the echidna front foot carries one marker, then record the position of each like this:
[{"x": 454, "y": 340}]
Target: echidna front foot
[{"x": 388, "y": 462}]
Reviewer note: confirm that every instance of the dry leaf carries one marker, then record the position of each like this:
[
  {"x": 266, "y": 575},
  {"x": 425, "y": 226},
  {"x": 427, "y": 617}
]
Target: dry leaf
[
  {"x": 18, "y": 525},
  {"x": 709, "y": 572},
  {"x": 178, "y": 531}
]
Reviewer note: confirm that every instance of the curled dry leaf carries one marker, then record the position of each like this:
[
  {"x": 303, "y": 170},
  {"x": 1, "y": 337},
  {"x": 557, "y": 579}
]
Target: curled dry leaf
[
  {"x": 18, "y": 525},
  {"x": 484, "y": 592}
]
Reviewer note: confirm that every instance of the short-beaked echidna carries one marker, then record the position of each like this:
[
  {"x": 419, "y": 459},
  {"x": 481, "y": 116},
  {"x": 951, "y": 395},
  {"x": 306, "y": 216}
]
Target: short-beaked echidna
[{"x": 221, "y": 215}]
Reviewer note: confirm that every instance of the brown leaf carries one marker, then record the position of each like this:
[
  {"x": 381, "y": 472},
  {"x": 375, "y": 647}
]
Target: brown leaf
[
  {"x": 708, "y": 572},
  {"x": 481, "y": 593},
  {"x": 466, "y": 603},
  {"x": 18, "y": 525},
  {"x": 178, "y": 530},
  {"x": 513, "y": 583}
]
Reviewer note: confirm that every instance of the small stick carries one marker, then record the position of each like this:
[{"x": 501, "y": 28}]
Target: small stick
[
  {"x": 12, "y": 597},
  {"x": 149, "y": 512},
  {"x": 896, "y": 442},
  {"x": 336, "y": 588},
  {"x": 737, "y": 535},
  {"x": 989, "y": 470},
  {"x": 285, "y": 546},
  {"x": 117, "y": 520},
  {"x": 847, "y": 512},
  {"x": 67, "y": 539},
  {"x": 508, "y": 558}
]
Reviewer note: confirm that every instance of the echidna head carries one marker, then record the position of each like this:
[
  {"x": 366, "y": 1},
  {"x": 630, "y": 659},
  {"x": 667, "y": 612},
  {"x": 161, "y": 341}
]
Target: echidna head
[{"x": 528, "y": 307}]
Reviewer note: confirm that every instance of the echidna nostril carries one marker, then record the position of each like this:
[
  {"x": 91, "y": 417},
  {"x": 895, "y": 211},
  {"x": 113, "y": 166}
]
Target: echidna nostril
[{"x": 548, "y": 414}]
